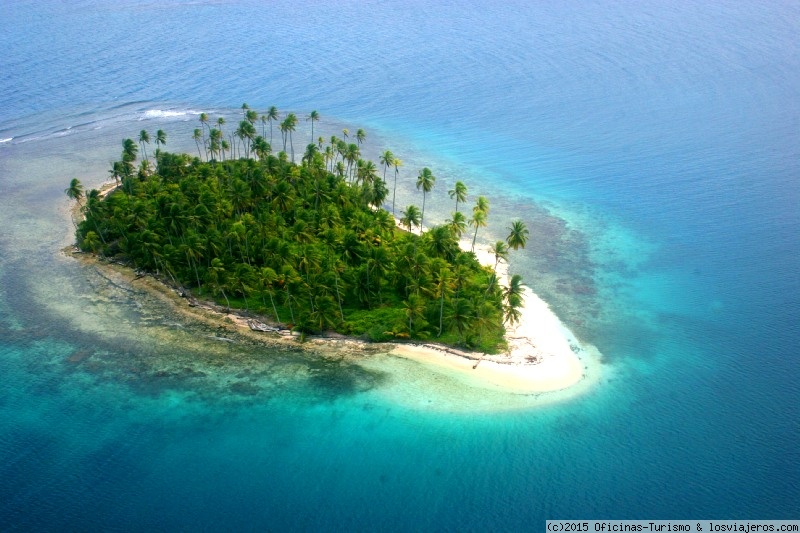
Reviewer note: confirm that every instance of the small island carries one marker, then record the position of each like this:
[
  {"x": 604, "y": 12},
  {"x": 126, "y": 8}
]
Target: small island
[{"x": 315, "y": 246}]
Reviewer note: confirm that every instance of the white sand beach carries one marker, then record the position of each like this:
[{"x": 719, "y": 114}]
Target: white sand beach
[{"x": 543, "y": 356}]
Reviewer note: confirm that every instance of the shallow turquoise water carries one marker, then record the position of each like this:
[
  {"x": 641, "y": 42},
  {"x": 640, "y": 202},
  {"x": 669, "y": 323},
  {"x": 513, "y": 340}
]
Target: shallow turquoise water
[{"x": 652, "y": 149}]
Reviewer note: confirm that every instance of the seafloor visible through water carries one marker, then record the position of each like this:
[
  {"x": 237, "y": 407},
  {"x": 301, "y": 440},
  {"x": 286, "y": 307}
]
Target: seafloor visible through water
[{"x": 653, "y": 151}]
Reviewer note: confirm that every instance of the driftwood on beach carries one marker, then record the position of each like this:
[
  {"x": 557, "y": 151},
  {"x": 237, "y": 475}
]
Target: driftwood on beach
[{"x": 255, "y": 325}]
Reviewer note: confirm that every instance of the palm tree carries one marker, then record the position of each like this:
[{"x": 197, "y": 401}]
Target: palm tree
[
  {"x": 313, "y": 117},
  {"x": 197, "y": 135},
  {"x": 214, "y": 138},
  {"x": 442, "y": 278},
  {"x": 360, "y": 136},
  {"x": 288, "y": 126},
  {"x": 440, "y": 242},
  {"x": 460, "y": 316},
  {"x": 161, "y": 139},
  {"x": 479, "y": 221},
  {"x": 251, "y": 116},
  {"x": 220, "y": 123},
  {"x": 91, "y": 241},
  {"x": 513, "y": 296},
  {"x": 75, "y": 190},
  {"x": 386, "y": 159},
  {"x": 352, "y": 154},
  {"x": 194, "y": 247},
  {"x": 425, "y": 181},
  {"x": 204, "y": 122},
  {"x": 284, "y": 127},
  {"x": 245, "y": 107},
  {"x": 518, "y": 236},
  {"x": 515, "y": 287},
  {"x": 261, "y": 148},
  {"x": 272, "y": 114},
  {"x": 144, "y": 138},
  {"x": 311, "y": 149},
  {"x": 512, "y": 313},
  {"x": 144, "y": 169},
  {"x": 411, "y": 217},
  {"x": 117, "y": 170},
  {"x": 481, "y": 205},
  {"x": 216, "y": 277},
  {"x": 129, "y": 151},
  {"x": 458, "y": 224},
  {"x": 375, "y": 193},
  {"x": 246, "y": 132},
  {"x": 345, "y": 133},
  {"x": 459, "y": 192},
  {"x": 396, "y": 164},
  {"x": 263, "y": 119},
  {"x": 414, "y": 309},
  {"x": 340, "y": 170},
  {"x": 500, "y": 251},
  {"x": 367, "y": 173},
  {"x": 267, "y": 277}
]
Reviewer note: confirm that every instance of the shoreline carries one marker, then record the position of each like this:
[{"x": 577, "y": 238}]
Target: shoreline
[{"x": 543, "y": 355}]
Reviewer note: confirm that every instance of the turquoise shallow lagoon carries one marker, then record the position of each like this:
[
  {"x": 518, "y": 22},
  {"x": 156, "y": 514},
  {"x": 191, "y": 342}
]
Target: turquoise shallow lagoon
[{"x": 652, "y": 149}]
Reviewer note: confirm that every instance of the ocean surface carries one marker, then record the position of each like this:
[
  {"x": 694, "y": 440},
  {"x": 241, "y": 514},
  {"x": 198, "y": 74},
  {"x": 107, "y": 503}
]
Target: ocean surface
[{"x": 653, "y": 149}]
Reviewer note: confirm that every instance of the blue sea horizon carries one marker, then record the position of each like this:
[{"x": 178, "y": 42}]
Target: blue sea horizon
[{"x": 653, "y": 150}]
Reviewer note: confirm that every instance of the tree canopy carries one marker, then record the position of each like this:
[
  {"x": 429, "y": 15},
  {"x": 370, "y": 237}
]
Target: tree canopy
[{"x": 306, "y": 244}]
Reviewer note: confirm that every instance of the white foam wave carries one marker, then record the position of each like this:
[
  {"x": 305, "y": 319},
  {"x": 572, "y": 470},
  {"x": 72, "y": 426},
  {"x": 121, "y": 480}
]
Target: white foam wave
[
  {"x": 167, "y": 113},
  {"x": 7, "y": 140}
]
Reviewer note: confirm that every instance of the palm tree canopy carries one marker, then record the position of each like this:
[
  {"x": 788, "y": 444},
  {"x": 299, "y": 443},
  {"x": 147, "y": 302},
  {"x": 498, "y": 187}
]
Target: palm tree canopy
[
  {"x": 515, "y": 287},
  {"x": 518, "y": 236},
  {"x": 426, "y": 180},
  {"x": 457, "y": 224},
  {"x": 500, "y": 251},
  {"x": 458, "y": 193},
  {"x": 330, "y": 254},
  {"x": 386, "y": 158},
  {"x": 75, "y": 190},
  {"x": 411, "y": 217},
  {"x": 482, "y": 204},
  {"x": 129, "y": 150},
  {"x": 478, "y": 219}
]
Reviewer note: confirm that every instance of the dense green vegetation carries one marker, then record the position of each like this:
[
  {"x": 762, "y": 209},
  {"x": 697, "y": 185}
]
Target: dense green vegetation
[{"x": 306, "y": 244}]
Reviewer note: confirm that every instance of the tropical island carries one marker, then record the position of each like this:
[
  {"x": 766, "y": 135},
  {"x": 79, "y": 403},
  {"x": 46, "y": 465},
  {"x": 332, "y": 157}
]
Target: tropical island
[{"x": 308, "y": 246}]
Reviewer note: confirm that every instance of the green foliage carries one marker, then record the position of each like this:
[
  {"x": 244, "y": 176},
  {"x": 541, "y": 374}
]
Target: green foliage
[{"x": 305, "y": 244}]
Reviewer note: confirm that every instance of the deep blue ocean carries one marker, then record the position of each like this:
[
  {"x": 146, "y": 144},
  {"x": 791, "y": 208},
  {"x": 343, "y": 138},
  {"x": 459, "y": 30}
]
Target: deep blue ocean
[{"x": 653, "y": 148}]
